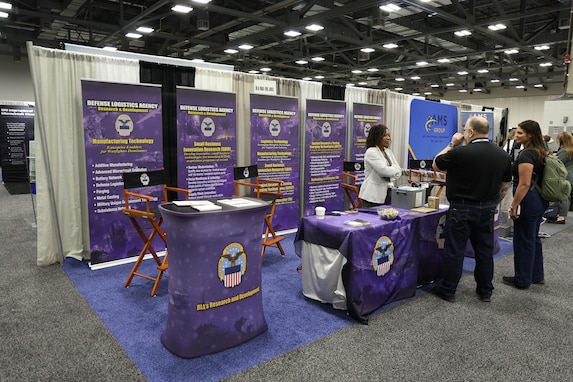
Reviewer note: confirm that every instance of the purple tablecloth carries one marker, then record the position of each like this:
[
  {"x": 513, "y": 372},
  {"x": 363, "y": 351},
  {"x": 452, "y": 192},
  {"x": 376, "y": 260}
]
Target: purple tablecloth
[
  {"x": 215, "y": 298},
  {"x": 386, "y": 260}
]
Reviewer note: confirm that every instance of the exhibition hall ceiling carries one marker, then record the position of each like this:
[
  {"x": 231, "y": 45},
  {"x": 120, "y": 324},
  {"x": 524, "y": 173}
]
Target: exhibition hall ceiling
[{"x": 429, "y": 47}]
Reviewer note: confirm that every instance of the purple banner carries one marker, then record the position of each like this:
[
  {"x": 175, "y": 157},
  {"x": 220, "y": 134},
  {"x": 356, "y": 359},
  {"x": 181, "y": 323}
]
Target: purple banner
[
  {"x": 206, "y": 144},
  {"x": 275, "y": 148},
  {"x": 364, "y": 116},
  {"x": 122, "y": 132},
  {"x": 325, "y": 133}
]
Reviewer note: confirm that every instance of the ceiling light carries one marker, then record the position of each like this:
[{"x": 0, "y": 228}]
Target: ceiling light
[
  {"x": 181, "y": 9},
  {"x": 513, "y": 79},
  {"x": 497, "y": 27},
  {"x": 292, "y": 33},
  {"x": 416, "y": 94},
  {"x": 133, "y": 35},
  {"x": 246, "y": 47},
  {"x": 372, "y": 69},
  {"x": 422, "y": 63},
  {"x": 317, "y": 59},
  {"x": 435, "y": 85},
  {"x": 357, "y": 71},
  {"x": 110, "y": 48},
  {"x": 231, "y": 51},
  {"x": 319, "y": 77},
  {"x": 415, "y": 78},
  {"x": 462, "y": 72},
  {"x": 511, "y": 51},
  {"x": 546, "y": 64},
  {"x": 538, "y": 85},
  {"x": 463, "y": 90},
  {"x": 201, "y": 1},
  {"x": 253, "y": 71},
  {"x": 390, "y": 8},
  {"x": 427, "y": 93},
  {"x": 145, "y": 29},
  {"x": 463, "y": 33},
  {"x": 495, "y": 80},
  {"x": 367, "y": 50},
  {"x": 265, "y": 69},
  {"x": 390, "y": 45},
  {"x": 349, "y": 85},
  {"x": 450, "y": 84},
  {"x": 314, "y": 27},
  {"x": 398, "y": 88},
  {"x": 301, "y": 62},
  {"x": 520, "y": 87},
  {"x": 478, "y": 89},
  {"x": 307, "y": 78},
  {"x": 444, "y": 60},
  {"x": 5, "y": 5},
  {"x": 4, "y": 15},
  {"x": 541, "y": 47},
  {"x": 362, "y": 83},
  {"x": 482, "y": 71},
  {"x": 400, "y": 79}
]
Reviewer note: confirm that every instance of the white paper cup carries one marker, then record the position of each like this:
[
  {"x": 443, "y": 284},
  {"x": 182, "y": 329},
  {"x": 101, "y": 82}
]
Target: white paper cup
[{"x": 320, "y": 212}]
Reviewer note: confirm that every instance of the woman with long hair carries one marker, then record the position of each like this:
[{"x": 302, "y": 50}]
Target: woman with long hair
[
  {"x": 380, "y": 167},
  {"x": 527, "y": 207},
  {"x": 565, "y": 154}
]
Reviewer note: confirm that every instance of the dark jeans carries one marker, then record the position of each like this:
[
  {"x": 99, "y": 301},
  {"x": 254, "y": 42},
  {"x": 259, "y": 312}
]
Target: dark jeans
[
  {"x": 527, "y": 249},
  {"x": 474, "y": 222}
]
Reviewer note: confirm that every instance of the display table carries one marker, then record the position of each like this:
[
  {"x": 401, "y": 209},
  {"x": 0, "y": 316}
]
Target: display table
[
  {"x": 363, "y": 268},
  {"x": 215, "y": 298}
]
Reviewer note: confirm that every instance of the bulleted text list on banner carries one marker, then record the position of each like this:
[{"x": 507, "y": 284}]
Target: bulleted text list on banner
[
  {"x": 275, "y": 149},
  {"x": 122, "y": 133},
  {"x": 325, "y": 134},
  {"x": 206, "y": 144},
  {"x": 16, "y": 132}
]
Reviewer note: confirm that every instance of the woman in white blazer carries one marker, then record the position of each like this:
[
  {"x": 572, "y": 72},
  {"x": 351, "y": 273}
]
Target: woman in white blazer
[{"x": 380, "y": 167}]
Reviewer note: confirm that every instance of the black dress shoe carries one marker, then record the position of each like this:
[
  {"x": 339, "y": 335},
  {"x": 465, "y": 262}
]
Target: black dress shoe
[
  {"x": 437, "y": 291},
  {"x": 511, "y": 281},
  {"x": 485, "y": 298}
]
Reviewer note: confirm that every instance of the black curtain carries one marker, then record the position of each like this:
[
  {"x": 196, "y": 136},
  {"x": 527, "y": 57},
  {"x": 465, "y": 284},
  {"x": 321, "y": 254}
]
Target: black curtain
[
  {"x": 334, "y": 92},
  {"x": 169, "y": 77}
]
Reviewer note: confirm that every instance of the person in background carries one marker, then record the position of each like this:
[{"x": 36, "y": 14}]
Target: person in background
[
  {"x": 380, "y": 167},
  {"x": 548, "y": 140},
  {"x": 565, "y": 154},
  {"x": 527, "y": 208},
  {"x": 510, "y": 146},
  {"x": 478, "y": 177}
]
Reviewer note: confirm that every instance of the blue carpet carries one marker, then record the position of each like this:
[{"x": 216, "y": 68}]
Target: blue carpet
[{"x": 137, "y": 320}]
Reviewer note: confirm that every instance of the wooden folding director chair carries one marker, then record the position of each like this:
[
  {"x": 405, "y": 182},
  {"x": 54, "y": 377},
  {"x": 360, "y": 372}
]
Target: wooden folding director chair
[
  {"x": 147, "y": 218},
  {"x": 349, "y": 182},
  {"x": 265, "y": 189}
]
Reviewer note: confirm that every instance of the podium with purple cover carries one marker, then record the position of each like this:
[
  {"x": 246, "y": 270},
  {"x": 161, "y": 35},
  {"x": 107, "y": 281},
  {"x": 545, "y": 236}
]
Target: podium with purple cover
[{"x": 215, "y": 297}]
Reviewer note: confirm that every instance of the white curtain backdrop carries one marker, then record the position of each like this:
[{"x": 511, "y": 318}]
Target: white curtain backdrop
[
  {"x": 397, "y": 117},
  {"x": 214, "y": 80},
  {"x": 59, "y": 129}
]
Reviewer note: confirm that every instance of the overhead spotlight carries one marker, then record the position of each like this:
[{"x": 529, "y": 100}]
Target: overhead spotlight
[
  {"x": 307, "y": 78},
  {"x": 541, "y": 47},
  {"x": 350, "y": 85},
  {"x": 415, "y": 78},
  {"x": 497, "y": 27},
  {"x": 253, "y": 72},
  {"x": 231, "y": 51},
  {"x": 292, "y": 33},
  {"x": 265, "y": 69},
  {"x": 400, "y": 79},
  {"x": 246, "y": 47},
  {"x": 363, "y": 83},
  {"x": 301, "y": 62},
  {"x": 319, "y": 77},
  {"x": 444, "y": 60},
  {"x": 450, "y": 84},
  {"x": 367, "y": 50},
  {"x": 538, "y": 85},
  {"x": 422, "y": 63},
  {"x": 5, "y": 5},
  {"x": 434, "y": 85},
  {"x": 463, "y": 33},
  {"x": 390, "y": 45},
  {"x": 133, "y": 35},
  {"x": 495, "y": 80},
  {"x": 181, "y": 9},
  {"x": 463, "y": 72},
  {"x": 317, "y": 59},
  {"x": 483, "y": 71},
  {"x": 511, "y": 51},
  {"x": 201, "y": 1},
  {"x": 398, "y": 88},
  {"x": 3, "y": 15},
  {"x": 545, "y": 64},
  {"x": 357, "y": 71},
  {"x": 314, "y": 27},
  {"x": 372, "y": 69},
  {"x": 389, "y": 7},
  {"x": 143, "y": 29},
  {"x": 463, "y": 90}
]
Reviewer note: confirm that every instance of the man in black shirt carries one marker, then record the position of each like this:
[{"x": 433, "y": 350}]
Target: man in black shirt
[{"x": 478, "y": 177}]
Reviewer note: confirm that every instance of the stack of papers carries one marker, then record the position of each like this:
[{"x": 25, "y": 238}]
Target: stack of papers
[
  {"x": 357, "y": 222},
  {"x": 240, "y": 202},
  {"x": 199, "y": 205}
]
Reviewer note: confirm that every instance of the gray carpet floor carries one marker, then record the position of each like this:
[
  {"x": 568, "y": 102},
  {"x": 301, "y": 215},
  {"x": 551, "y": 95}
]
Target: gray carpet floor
[{"x": 49, "y": 333}]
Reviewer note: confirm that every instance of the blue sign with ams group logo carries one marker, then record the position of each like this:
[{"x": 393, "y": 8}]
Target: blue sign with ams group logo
[{"x": 432, "y": 125}]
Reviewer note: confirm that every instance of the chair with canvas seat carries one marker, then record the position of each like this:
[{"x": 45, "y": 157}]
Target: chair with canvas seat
[
  {"x": 148, "y": 187},
  {"x": 269, "y": 190},
  {"x": 349, "y": 182}
]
